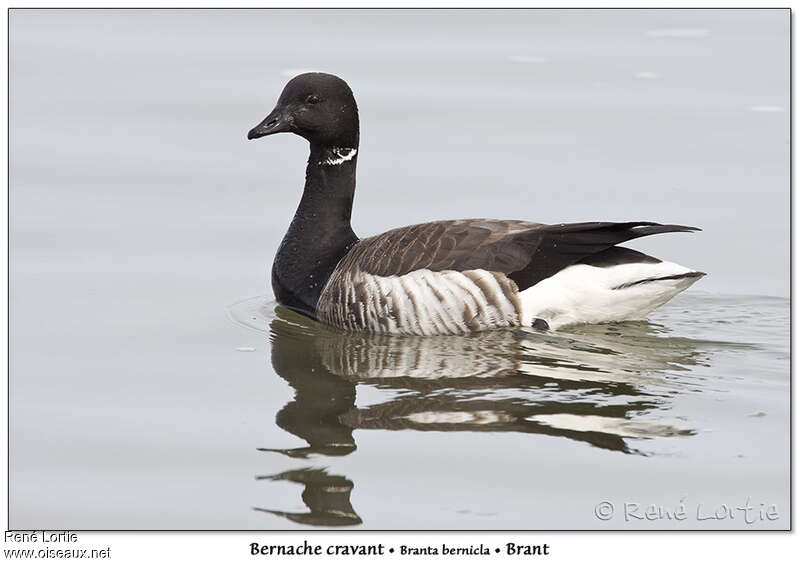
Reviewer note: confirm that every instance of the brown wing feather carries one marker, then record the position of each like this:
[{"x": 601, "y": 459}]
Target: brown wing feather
[
  {"x": 442, "y": 245},
  {"x": 527, "y": 252}
]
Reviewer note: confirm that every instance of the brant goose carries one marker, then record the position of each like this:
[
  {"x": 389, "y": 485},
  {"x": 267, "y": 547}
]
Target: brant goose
[{"x": 444, "y": 277}]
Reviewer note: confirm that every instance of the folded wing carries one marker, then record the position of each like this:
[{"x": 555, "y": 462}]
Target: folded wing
[{"x": 526, "y": 252}]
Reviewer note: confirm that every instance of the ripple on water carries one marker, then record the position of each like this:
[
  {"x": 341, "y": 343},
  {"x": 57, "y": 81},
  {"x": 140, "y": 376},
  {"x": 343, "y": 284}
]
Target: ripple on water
[
  {"x": 679, "y": 33},
  {"x": 601, "y": 384}
]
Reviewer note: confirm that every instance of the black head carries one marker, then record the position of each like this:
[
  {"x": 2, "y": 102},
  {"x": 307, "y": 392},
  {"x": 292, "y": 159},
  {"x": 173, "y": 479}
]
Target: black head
[{"x": 317, "y": 106}]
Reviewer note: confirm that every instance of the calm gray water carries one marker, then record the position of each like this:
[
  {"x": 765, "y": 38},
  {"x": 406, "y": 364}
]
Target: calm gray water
[{"x": 150, "y": 389}]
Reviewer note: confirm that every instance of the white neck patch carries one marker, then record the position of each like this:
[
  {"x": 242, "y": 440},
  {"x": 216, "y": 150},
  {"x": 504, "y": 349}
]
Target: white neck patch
[{"x": 338, "y": 156}]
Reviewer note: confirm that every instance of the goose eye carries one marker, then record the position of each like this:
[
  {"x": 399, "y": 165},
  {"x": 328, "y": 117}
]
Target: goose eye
[{"x": 312, "y": 99}]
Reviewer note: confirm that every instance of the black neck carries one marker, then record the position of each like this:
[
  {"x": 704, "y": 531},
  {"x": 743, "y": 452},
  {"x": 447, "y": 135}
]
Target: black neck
[{"x": 320, "y": 233}]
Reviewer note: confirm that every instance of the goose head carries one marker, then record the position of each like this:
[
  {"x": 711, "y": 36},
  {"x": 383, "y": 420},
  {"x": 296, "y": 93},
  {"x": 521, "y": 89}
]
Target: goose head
[{"x": 317, "y": 106}]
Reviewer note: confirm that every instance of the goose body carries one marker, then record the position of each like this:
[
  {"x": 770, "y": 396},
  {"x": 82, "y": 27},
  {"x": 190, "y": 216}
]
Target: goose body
[{"x": 444, "y": 277}]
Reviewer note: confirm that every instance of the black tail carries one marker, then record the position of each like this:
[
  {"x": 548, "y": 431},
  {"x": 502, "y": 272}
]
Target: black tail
[{"x": 561, "y": 245}]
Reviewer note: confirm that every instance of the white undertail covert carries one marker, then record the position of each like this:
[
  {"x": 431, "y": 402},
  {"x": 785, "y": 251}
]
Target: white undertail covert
[{"x": 590, "y": 294}]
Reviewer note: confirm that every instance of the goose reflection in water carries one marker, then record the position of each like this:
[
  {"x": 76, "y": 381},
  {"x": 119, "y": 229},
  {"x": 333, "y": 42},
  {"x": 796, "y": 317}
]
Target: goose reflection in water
[
  {"x": 327, "y": 498},
  {"x": 595, "y": 384}
]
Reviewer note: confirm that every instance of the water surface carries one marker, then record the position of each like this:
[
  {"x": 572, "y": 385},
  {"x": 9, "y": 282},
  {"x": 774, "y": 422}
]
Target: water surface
[
  {"x": 658, "y": 402},
  {"x": 139, "y": 212}
]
